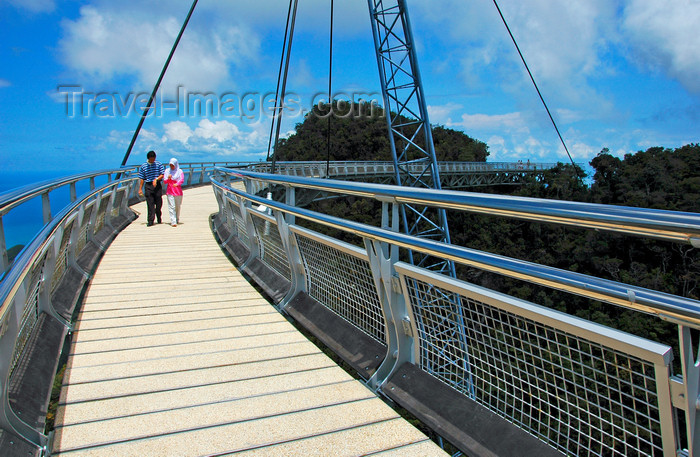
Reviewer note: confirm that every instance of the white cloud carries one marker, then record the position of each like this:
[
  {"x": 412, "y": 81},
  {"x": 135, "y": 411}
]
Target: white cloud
[
  {"x": 177, "y": 131},
  {"x": 503, "y": 122},
  {"x": 220, "y": 131},
  {"x": 148, "y": 136},
  {"x": 576, "y": 51},
  {"x": 119, "y": 138},
  {"x": 221, "y": 46},
  {"x": 567, "y": 116},
  {"x": 220, "y": 140},
  {"x": 105, "y": 43},
  {"x": 5, "y": 83},
  {"x": 440, "y": 114},
  {"x": 665, "y": 38},
  {"x": 34, "y": 6},
  {"x": 561, "y": 41}
]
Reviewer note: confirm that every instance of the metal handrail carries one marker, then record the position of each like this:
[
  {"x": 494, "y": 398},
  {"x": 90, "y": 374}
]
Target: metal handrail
[
  {"x": 16, "y": 197},
  {"x": 669, "y": 307},
  {"x": 646, "y": 222},
  {"x": 443, "y": 165}
]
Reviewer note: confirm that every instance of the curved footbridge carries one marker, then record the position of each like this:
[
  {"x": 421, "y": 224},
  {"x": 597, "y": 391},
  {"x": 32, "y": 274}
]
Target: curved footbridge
[{"x": 176, "y": 354}]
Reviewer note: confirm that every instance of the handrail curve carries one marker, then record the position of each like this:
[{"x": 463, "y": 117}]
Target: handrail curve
[
  {"x": 646, "y": 222},
  {"x": 667, "y": 306},
  {"x": 581, "y": 387}
]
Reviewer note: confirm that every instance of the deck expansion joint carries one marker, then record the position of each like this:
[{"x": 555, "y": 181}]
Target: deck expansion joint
[
  {"x": 180, "y": 356},
  {"x": 164, "y": 313},
  {"x": 223, "y": 424},
  {"x": 186, "y": 370},
  {"x": 398, "y": 446},
  {"x": 178, "y": 322},
  {"x": 182, "y": 343},
  {"x": 172, "y": 389},
  {"x": 225, "y": 400},
  {"x": 176, "y": 332},
  {"x": 301, "y": 438},
  {"x": 227, "y": 299}
]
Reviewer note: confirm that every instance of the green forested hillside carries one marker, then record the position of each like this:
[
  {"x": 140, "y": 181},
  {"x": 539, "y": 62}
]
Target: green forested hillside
[{"x": 360, "y": 133}]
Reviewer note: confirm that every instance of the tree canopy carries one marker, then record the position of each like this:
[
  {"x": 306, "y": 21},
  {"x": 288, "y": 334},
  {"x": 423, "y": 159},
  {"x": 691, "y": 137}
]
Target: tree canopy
[{"x": 359, "y": 132}]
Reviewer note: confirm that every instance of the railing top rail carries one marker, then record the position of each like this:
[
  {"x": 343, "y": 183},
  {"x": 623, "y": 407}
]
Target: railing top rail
[
  {"x": 670, "y": 307},
  {"x": 14, "y": 197},
  {"x": 652, "y": 223},
  {"x": 214, "y": 163},
  {"x": 494, "y": 165}
]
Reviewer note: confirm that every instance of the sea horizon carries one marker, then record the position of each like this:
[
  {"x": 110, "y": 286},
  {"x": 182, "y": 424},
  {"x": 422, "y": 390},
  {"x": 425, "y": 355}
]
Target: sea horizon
[{"x": 24, "y": 222}]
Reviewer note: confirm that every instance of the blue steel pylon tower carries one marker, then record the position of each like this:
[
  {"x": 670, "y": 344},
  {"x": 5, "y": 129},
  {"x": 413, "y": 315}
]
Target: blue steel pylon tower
[
  {"x": 407, "y": 118},
  {"x": 416, "y": 166}
]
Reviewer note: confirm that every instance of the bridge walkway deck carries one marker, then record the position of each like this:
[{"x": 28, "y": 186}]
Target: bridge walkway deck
[{"x": 175, "y": 354}]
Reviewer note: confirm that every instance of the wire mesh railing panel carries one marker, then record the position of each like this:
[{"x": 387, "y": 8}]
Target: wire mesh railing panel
[
  {"x": 226, "y": 216},
  {"x": 59, "y": 268},
  {"x": 83, "y": 235},
  {"x": 101, "y": 213},
  {"x": 118, "y": 199},
  {"x": 272, "y": 251},
  {"x": 62, "y": 257},
  {"x": 239, "y": 223},
  {"x": 30, "y": 316},
  {"x": 343, "y": 283},
  {"x": 578, "y": 395}
]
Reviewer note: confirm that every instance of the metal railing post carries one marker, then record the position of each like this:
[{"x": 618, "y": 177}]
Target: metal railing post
[
  {"x": 4, "y": 258},
  {"x": 225, "y": 210},
  {"x": 400, "y": 335},
  {"x": 46, "y": 207},
  {"x": 125, "y": 200},
  {"x": 47, "y": 273},
  {"x": 227, "y": 204},
  {"x": 289, "y": 241},
  {"x": 253, "y": 237},
  {"x": 690, "y": 360},
  {"x": 73, "y": 251},
  {"x": 93, "y": 219},
  {"x": 8, "y": 419}
]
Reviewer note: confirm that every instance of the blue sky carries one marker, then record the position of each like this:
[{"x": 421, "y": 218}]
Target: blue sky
[{"x": 618, "y": 74}]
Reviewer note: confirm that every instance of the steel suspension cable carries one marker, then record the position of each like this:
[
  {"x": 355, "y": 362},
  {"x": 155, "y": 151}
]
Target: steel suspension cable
[
  {"x": 279, "y": 78},
  {"x": 280, "y": 104},
  {"x": 536, "y": 88},
  {"x": 330, "y": 97},
  {"x": 157, "y": 86}
]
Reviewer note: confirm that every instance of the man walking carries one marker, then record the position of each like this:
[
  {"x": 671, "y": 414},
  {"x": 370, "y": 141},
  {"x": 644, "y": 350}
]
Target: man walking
[{"x": 151, "y": 173}]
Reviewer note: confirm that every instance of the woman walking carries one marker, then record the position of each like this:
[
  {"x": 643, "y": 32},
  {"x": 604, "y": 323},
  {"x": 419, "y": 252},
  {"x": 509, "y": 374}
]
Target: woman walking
[{"x": 174, "y": 177}]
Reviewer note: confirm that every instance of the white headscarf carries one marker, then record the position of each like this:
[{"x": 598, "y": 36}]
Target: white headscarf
[{"x": 173, "y": 174}]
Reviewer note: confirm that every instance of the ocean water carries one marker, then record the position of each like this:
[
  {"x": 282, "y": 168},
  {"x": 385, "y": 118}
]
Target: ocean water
[{"x": 24, "y": 222}]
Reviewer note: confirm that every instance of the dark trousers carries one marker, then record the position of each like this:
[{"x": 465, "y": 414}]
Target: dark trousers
[{"x": 154, "y": 200}]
